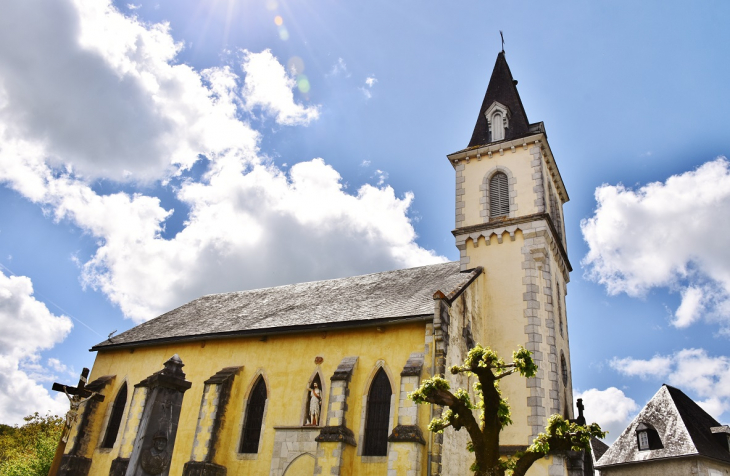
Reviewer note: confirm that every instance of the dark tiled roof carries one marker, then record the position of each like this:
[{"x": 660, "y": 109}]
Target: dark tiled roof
[
  {"x": 347, "y": 301},
  {"x": 682, "y": 425},
  {"x": 502, "y": 89},
  {"x": 598, "y": 448},
  {"x": 698, "y": 423}
]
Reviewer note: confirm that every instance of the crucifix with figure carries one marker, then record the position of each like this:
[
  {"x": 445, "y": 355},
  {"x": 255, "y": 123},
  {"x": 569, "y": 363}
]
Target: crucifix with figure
[{"x": 76, "y": 396}]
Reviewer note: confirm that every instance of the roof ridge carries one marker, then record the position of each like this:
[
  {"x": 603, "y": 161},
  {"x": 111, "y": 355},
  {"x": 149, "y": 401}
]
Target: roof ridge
[{"x": 323, "y": 280}]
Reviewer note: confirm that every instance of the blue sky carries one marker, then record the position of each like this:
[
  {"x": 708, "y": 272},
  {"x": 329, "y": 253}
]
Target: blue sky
[{"x": 150, "y": 152}]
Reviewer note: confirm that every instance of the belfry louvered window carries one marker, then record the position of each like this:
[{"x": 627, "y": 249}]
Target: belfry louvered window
[
  {"x": 115, "y": 419},
  {"x": 378, "y": 416},
  {"x": 254, "y": 418},
  {"x": 498, "y": 195}
]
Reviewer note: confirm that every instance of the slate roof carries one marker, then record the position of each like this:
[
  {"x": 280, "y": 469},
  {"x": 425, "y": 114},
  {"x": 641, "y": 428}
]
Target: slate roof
[
  {"x": 391, "y": 295},
  {"x": 598, "y": 449},
  {"x": 503, "y": 89},
  {"x": 683, "y": 427}
]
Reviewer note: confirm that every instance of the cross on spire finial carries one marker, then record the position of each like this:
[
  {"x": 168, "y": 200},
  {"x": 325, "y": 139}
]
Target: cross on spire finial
[{"x": 502, "y": 36}]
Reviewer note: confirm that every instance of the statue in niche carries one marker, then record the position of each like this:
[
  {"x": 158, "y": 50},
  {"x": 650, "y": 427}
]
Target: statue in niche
[
  {"x": 314, "y": 406},
  {"x": 155, "y": 460}
]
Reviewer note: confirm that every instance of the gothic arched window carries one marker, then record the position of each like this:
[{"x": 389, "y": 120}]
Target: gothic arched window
[
  {"x": 498, "y": 195},
  {"x": 378, "y": 416},
  {"x": 115, "y": 419},
  {"x": 254, "y": 418},
  {"x": 497, "y": 127},
  {"x": 564, "y": 369}
]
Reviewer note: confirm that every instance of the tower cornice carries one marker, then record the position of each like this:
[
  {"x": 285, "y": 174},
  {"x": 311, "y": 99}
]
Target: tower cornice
[
  {"x": 510, "y": 146},
  {"x": 466, "y": 232}
]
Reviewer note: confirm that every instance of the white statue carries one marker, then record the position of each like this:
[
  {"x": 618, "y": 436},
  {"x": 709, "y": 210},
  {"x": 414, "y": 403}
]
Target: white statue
[
  {"x": 315, "y": 404},
  {"x": 73, "y": 413}
]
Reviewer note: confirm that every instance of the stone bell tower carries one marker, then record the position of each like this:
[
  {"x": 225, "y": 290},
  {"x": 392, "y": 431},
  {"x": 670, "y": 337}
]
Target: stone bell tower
[{"x": 509, "y": 199}]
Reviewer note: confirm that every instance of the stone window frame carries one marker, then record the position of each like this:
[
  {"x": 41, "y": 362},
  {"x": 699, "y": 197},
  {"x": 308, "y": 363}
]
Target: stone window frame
[
  {"x": 484, "y": 199},
  {"x": 107, "y": 415},
  {"x": 242, "y": 421},
  {"x": 364, "y": 410},
  {"x": 497, "y": 108},
  {"x": 323, "y": 411}
]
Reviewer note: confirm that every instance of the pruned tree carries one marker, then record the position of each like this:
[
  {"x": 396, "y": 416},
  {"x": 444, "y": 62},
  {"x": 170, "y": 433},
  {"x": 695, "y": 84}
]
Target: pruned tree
[{"x": 494, "y": 414}]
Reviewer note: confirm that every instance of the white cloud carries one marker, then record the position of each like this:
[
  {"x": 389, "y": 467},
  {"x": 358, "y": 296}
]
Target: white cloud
[
  {"x": 382, "y": 176},
  {"x": 705, "y": 378},
  {"x": 90, "y": 87},
  {"x": 669, "y": 234},
  {"x": 691, "y": 307},
  {"x": 27, "y": 328},
  {"x": 369, "y": 83},
  {"x": 657, "y": 366},
  {"x": 610, "y": 408},
  {"x": 59, "y": 366},
  {"x": 250, "y": 224},
  {"x": 365, "y": 163},
  {"x": 133, "y": 7},
  {"x": 339, "y": 68},
  {"x": 269, "y": 86}
]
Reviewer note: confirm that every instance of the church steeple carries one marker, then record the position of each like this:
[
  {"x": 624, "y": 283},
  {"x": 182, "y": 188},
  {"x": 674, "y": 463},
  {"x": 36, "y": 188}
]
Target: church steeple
[{"x": 502, "y": 116}]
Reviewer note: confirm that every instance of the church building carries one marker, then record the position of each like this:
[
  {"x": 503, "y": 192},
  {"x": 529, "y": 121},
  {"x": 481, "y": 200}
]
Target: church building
[{"x": 313, "y": 378}]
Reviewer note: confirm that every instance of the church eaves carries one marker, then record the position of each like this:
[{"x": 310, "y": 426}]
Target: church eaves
[
  {"x": 503, "y": 90},
  {"x": 372, "y": 299}
]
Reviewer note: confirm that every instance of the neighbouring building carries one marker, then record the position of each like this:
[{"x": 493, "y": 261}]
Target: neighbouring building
[
  {"x": 672, "y": 435},
  {"x": 313, "y": 378}
]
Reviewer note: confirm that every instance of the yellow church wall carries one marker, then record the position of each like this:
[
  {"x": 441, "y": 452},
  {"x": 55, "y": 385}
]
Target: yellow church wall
[
  {"x": 287, "y": 363},
  {"x": 505, "y": 328},
  {"x": 518, "y": 163}
]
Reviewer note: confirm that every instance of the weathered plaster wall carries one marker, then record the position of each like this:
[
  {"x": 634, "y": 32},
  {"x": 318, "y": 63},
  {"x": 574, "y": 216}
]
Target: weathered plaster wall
[
  {"x": 669, "y": 467},
  {"x": 287, "y": 363},
  {"x": 465, "y": 324}
]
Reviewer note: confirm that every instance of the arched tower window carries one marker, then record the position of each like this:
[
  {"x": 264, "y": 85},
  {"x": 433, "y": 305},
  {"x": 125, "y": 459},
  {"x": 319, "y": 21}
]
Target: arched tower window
[
  {"x": 564, "y": 369},
  {"x": 498, "y": 195},
  {"x": 115, "y": 419},
  {"x": 559, "y": 308},
  {"x": 254, "y": 418},
  {"x": 497, "y": 127},
  {"x": 555, "y": 213},
  {"x": 378, "y": 416}
]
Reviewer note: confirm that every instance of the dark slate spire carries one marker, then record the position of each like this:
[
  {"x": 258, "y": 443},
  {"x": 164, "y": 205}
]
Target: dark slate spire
[{"x": 503, "y": 89}]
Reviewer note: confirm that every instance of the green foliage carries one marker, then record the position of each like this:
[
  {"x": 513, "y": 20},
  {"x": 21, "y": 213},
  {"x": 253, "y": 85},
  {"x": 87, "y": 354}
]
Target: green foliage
[
  {"x": 560, "y": 429},
  {"x": 28, "y": 450},
  {"x": 484, "y": 363},
  {"x": 427, "y": 389}
]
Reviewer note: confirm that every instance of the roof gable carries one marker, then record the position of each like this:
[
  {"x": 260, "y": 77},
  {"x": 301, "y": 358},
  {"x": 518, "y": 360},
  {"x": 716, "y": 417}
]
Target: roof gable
[
  {"x": 378, "y": 297},
  {"x": 503, "y": 90},
  {"x": 683, "y": 427},
  {"x": 662, "y": 414}
]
